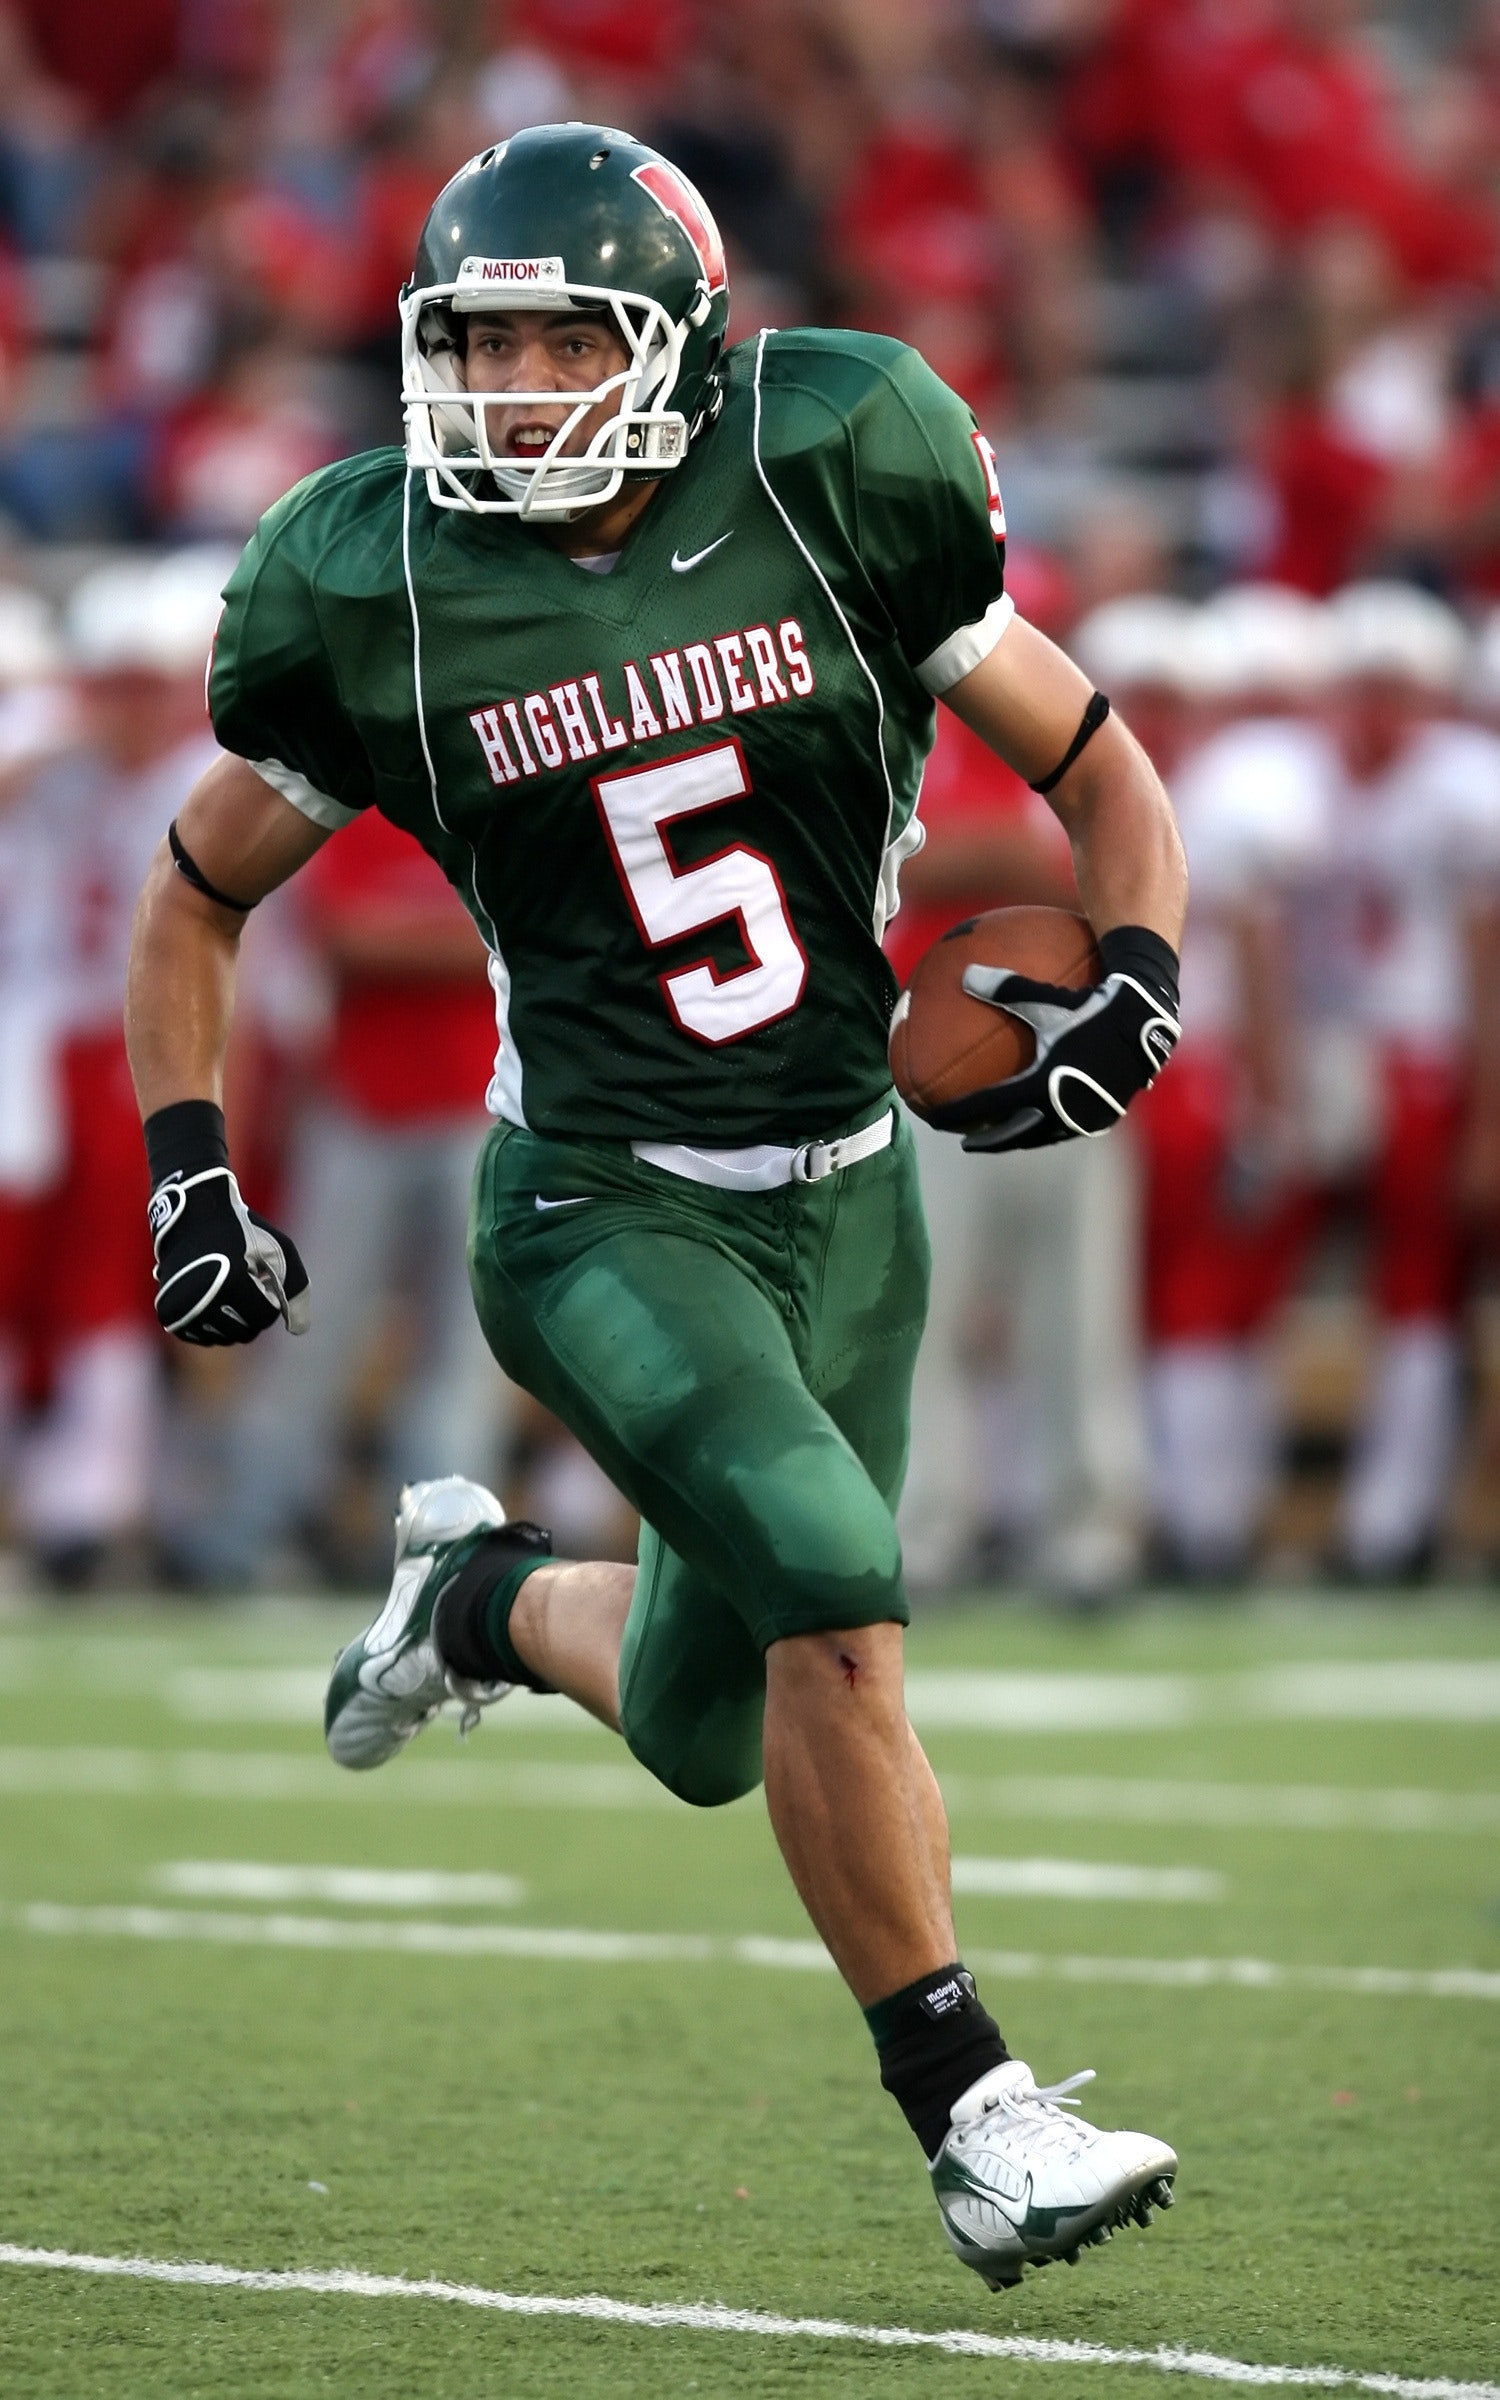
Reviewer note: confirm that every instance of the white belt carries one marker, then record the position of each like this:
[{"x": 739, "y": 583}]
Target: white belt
[{"x": 767, "y": 1166}]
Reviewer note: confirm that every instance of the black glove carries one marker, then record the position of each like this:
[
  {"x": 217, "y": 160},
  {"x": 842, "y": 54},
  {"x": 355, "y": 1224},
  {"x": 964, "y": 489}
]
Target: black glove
[
  {"x": 222, "y": 1273},
  {"x": 1095, "y": 1049}
]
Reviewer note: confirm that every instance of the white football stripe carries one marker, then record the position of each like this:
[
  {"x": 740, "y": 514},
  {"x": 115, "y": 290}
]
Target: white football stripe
[
  {"x": 1297, "y": 1807},
  {"x": 294, "y": 1696},
  {"x": 289, "y": 1775},
  {"x": 1452, "y": 1691},
  {"x": 432, "y": 1779},
  {"x": 1080, "y": 1879},
  {"x": 692, "y": 2317},
  {"x": 1036, "y": 1703},
  {"x": 357, "y": 1887},
  {"x": 416, "y": 1934}
]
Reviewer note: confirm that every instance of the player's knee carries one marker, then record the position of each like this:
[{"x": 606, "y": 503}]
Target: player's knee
[
  {"x": 861, "y": 1662},
  {"x": 834, "y": 1561}
]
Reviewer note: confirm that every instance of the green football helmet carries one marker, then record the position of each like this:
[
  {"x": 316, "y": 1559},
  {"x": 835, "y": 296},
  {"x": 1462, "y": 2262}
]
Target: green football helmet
[{"x": 563, "y": 217}]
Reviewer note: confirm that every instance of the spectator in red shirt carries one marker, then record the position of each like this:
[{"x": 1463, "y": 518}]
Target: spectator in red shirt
[{"x": 378, "y": 1199}]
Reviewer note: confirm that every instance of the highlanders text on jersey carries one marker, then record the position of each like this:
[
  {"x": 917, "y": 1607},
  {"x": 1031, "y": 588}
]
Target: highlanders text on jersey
[{"x": 673, "y": 796}]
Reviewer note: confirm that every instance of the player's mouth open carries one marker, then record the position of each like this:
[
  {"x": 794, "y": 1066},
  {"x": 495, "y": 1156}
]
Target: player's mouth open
[{"x": 529, "y": 441}]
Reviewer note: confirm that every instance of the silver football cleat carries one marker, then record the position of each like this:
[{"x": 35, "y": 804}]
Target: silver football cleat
[
  {"x": 1019, "y": 2182},
  {"x": 390, "y": 1682}
]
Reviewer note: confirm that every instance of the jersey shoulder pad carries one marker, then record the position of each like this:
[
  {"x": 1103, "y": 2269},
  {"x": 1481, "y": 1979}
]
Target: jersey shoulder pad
[
  {"x": 816, "y": 383},
  {"x": 354, "y": 503}
]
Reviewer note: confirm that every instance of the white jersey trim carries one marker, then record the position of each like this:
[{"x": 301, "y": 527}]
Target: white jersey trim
[
  {"x": 503, "y": 1097},
  {"x": 963, "y": 651},
  {"x": 882, "y": 909},
  {"x": 304, "y": 796}
]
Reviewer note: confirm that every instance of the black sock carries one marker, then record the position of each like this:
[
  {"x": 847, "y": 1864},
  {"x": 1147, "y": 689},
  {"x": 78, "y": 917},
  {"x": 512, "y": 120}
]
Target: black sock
[
  {"x": 472, "y": 1612},
  {"x": 934, "y": 2038}
]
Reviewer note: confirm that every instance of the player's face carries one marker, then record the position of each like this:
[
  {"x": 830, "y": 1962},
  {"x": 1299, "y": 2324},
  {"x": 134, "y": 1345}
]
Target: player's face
[{"x": 532, "y": 353}]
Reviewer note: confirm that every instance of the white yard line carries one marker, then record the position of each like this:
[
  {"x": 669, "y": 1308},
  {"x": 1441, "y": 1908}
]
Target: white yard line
[
  {"x": 1432, "y": 1690},
  {"x": 346, "y": 1887},
  {"x": 236, "y": 1775},
  {"x": 31, "y": 1769},
  {"x": 667, "y": 2317},
  {"x": 283, "y": 1931},
  {"x": 1297, "y": 1807},
  {"x": 1069, "y": 1879},
  {"x": 294, "y": 1696},
  {"x": 1014, "y": 1701}
]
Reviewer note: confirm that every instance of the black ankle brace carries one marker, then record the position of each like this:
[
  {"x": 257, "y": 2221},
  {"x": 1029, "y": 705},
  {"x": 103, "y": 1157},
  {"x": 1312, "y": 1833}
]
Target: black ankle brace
[
  {"x": 471, "y": 1614},
  {"x": 934, "y": 2039}
]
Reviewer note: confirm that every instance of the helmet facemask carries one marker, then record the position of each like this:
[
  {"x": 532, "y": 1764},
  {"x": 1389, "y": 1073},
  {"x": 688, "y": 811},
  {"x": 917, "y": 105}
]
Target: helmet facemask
[{"x": 447, "y": 426}]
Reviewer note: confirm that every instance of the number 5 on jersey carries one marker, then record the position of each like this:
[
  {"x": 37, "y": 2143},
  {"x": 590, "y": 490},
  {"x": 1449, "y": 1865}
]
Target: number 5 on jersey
[{"x": 669, "y": 901}]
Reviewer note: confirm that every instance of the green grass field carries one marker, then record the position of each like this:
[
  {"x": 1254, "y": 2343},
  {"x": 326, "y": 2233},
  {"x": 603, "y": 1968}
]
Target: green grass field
[{"x": 282, "y": 2074}]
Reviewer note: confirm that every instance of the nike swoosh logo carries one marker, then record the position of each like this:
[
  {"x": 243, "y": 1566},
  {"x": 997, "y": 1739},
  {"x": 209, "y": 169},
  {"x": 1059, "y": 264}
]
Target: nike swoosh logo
[
  {"x": 685, "y": 566},
  {"x": 581, "y": 1202}
]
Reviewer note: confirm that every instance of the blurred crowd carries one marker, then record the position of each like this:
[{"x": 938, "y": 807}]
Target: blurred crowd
[
  {"x": 1219, "y": 278},
  {"x": 1216, "y": 275},
  {"x": 1329, "y": 1125}
]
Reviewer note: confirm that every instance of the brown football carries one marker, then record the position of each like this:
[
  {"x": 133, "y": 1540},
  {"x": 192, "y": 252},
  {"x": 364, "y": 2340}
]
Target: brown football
[{"x": 945, "y": 1044}]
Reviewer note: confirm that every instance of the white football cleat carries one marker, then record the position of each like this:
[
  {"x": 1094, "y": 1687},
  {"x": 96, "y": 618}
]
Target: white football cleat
[
  {"x": 390, "y": 1682},
  {"x": 1020, "y": 2183}
]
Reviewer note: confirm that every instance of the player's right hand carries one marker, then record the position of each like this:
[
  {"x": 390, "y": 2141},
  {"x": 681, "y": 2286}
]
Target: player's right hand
[{"x": 222, "y": 1273}]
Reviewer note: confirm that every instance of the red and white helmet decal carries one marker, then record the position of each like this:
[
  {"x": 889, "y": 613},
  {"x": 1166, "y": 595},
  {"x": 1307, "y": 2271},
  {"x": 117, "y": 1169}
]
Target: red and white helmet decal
[{"x": 675, "y": 196}]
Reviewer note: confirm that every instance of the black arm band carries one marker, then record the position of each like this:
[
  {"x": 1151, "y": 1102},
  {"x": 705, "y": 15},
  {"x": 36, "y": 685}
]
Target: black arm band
[
  {"x": 188, "y": 867},
  {"x": 1136, "y": 950},
  {"x": 1093, "y": 717},
  {"x": 184, "y": 1138}
]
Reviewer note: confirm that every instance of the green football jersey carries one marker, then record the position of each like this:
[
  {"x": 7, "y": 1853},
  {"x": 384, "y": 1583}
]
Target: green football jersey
[{"x": 674, "y": 796}]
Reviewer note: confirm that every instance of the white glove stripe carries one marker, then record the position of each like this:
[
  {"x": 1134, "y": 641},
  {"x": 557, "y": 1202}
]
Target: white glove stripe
[
  {"x": 1089, "y": 1133},
  {"x": 209, "y": 1296}
]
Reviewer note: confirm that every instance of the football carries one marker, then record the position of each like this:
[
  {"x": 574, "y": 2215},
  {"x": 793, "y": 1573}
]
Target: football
[{"x": 945, "y": 1044}]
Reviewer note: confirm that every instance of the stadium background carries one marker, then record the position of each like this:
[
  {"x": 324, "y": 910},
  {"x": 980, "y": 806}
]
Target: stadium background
[
  {"x": 1219, "y": 277},
  {"x": 1219, "y": 282}
]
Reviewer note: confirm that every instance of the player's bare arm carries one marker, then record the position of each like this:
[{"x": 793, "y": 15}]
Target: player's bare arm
[
  {"x": 244, "y": 840},
  {"x": 1027, "y": 700},
  {"x": 222, "y": 1273},
  {"x": 1093, "y": 1047}
]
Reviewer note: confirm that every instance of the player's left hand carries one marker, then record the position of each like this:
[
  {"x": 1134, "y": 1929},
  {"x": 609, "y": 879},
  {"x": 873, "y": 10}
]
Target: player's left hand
[
  {"x": 1095, "y": 1049},
  {"x": 223, "y": 1274}
]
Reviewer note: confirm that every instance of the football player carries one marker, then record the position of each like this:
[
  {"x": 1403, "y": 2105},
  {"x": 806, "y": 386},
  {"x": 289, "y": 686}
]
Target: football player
[
  {"x": 1400, "y": 949},
  {"x": 641, "y": 641},
  {"x": 74, "y": 1268},
  {"x": 1226, "y": 1203}
]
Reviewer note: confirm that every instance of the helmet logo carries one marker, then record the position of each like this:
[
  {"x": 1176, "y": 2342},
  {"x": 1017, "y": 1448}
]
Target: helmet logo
[
  {"x": 509, "y": 275},
  {"x": 676, "y": 198}
]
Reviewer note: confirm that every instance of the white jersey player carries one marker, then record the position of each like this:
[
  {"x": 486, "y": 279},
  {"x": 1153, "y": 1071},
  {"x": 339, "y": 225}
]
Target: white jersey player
[
  {"x": 1398, "y": 941},
  {"x": 1222, "y": 1194},
  {"x": 89, "y": 818}
]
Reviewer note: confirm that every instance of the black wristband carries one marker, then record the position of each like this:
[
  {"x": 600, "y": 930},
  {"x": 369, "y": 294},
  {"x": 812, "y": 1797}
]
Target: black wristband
[
  {"x": 1136, "y": 950},
  {"x": 183, "y": 1138}
]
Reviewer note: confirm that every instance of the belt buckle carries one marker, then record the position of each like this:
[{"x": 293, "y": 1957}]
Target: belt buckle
[{"x": 813, "y": 1162}]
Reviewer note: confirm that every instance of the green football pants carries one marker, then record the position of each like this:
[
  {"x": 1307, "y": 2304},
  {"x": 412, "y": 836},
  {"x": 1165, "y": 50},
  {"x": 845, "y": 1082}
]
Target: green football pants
[{"x": 740, "y": 1365}]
